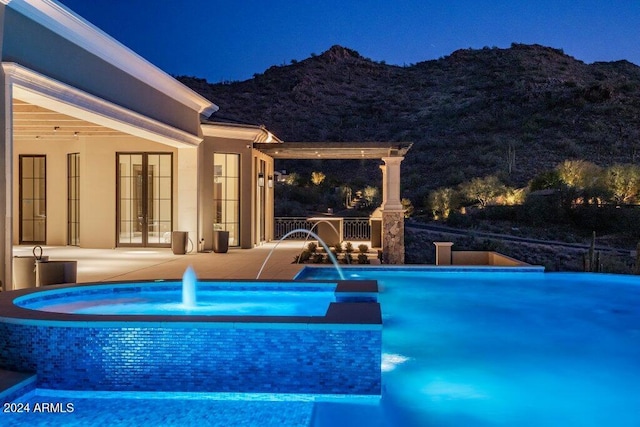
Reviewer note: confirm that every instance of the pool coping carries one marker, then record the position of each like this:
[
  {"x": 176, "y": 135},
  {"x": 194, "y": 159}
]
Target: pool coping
[{"x": 341, "y": 314}]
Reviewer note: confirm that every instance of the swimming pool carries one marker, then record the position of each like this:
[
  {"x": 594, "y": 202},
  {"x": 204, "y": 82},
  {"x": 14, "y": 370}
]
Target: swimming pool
[
  {"x": 466, "y": 347},
  {"x": 483, "y": 347}
]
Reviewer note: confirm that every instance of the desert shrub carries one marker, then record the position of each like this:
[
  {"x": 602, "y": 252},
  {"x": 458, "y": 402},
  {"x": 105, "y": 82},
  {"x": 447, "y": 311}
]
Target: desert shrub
[
  {"x": 458, "y": 219},
  {"x": 497, "y": 213},
  {"x": 541, "y": 210}
]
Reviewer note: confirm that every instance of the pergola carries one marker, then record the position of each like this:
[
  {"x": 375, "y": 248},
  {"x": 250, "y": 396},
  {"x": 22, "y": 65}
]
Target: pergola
[{"x": 391, "y": 153}]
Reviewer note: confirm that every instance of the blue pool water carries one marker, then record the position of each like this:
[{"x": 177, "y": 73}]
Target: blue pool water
[
  {"x": 460, "y": 348},
  {"x": 166, "y": 299},
  {"x": 507, "y": 349}
]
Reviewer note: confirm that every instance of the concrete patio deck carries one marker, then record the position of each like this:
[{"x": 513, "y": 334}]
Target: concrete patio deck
[{"x": 99, "y": 265}]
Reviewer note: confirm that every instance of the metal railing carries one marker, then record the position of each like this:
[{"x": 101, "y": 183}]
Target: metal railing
[{"x": 354, "y": 228}]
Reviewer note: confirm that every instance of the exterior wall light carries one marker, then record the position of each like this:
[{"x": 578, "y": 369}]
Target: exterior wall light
[
  {"x": 270, "y": 181},
  {"x": 260, "y": 179}
]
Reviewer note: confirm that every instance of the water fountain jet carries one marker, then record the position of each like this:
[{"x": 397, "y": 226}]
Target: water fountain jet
[
  {"x": 189, "y": 281},
  {"x": 332, "y": 257}
]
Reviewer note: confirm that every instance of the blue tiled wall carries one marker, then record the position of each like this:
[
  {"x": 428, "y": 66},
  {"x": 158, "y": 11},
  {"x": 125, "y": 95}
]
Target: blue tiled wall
[{"x": 195, "y": 359}]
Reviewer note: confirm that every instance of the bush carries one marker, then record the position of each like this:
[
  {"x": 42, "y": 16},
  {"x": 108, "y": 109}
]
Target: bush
[
  {"x": 362, "y": 258},
  {"x": 348, "y": 247},
  {"x": 363, "y": 248}
]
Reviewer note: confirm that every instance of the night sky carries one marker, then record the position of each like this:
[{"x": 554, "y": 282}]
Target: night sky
[{"x": 233, "y": 39}]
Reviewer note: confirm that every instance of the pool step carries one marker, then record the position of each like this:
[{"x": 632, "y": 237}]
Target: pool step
[{"x": 15, "y": 384}]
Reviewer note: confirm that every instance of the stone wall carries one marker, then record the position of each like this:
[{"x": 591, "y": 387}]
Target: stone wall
[{"x": 393, "y": 237}]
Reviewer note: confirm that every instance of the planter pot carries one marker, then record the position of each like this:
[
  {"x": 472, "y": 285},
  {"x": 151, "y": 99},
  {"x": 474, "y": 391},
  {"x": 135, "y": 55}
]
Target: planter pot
[
  {"x": 179, "y": 241},
  {"x": 220, "y": 241}
]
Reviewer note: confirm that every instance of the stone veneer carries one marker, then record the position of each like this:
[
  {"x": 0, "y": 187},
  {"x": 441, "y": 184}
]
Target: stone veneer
[
  {"x": 393, "y": 237},
  {"x": 339, "y": 353}
]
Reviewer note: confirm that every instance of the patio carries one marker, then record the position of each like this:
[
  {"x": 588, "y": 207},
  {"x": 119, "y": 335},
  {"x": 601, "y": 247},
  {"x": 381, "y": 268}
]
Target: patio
[{"x": 99, "y": 265}]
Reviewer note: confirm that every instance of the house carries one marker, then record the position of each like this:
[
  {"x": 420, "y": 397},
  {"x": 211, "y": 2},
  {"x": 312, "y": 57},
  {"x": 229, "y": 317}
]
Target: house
[{"x": 101, "y": 149}]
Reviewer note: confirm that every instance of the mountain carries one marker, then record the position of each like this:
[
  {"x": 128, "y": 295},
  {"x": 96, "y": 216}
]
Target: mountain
[{"x": 464, "y": 112}]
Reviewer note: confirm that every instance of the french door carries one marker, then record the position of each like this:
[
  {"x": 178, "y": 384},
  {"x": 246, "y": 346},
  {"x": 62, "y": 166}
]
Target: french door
[
  {"x": 144, "y": 199},
  {"x": 33, "y": 199}
]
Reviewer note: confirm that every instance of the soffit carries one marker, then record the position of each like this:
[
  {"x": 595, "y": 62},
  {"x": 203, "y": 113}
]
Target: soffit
[
  {"x": 38, "y": 90},
  {"x": 334, "y": 150},
  {"x": 35, "y": 123}
]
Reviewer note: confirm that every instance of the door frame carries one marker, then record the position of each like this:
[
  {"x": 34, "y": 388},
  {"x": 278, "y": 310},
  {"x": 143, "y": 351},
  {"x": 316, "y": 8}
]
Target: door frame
[{"x": 144, "y": 197}]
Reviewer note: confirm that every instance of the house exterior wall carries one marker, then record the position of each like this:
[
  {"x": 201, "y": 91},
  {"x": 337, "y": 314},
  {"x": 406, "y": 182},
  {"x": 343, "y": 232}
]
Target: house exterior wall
[
  {"x": 41, "y": 50},
  {"x": 248, "y": 183},
  {"x": 97, "y": 186}
]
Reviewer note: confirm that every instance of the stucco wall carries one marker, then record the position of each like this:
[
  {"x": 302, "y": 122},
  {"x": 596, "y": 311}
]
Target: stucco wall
[
  {"x": 208, "y": 147},
  {"x": 97, "y": 186}
]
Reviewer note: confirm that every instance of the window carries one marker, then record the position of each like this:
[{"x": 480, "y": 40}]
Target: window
[{"x": 73, "y": 199}]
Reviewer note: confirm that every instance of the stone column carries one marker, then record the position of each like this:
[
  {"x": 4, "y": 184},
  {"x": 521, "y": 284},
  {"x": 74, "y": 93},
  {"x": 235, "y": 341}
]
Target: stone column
[
  {"x": 187, "y": 195},
  {"x": 392, "y": 212}
]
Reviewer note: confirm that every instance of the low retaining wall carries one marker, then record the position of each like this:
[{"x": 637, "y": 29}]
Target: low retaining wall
[
  {"x": 339, "y": 353},
  {"x": 483, "y": 258}
]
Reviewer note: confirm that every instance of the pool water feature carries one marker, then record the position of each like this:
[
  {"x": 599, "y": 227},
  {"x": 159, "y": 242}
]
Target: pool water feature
[
  {"x": 168, "y": 299},
  {"x": 189, "y": 282},
  {"x": 330, "y": 254}
]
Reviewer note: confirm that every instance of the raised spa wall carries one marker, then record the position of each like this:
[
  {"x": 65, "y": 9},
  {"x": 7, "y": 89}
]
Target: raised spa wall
[{"x": 339, "y": 353}]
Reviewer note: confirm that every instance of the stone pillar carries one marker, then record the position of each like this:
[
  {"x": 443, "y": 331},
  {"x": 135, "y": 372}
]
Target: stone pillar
[
  {"x": 6, "y": 185},
  {"x": 187, "y": 195},
  {"x": 443, "y": 253},
  {"x": 392, "y": 212}
]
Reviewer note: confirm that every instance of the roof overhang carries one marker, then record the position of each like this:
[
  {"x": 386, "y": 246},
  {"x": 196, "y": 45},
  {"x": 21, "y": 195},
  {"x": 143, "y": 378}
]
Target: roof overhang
[
  {"x": 37, "y": 89},
  {"x": 69, "y": 25},
  {"x": 334, "y": 150}
]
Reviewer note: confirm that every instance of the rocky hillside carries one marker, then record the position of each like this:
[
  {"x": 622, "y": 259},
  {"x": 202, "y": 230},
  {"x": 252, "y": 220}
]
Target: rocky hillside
[{"x": 464, "y": 112}]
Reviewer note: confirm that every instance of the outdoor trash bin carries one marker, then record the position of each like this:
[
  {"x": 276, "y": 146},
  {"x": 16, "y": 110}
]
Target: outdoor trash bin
[
  {"x": 220, "y": 241},
  {"x": 179, "y": 240}
]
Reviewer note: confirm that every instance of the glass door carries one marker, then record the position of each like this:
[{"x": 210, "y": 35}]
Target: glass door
[
  {"x": 33, "y": 199},
  {"x": 226, "y": 195},
  {"x": 145, "y": 199}
]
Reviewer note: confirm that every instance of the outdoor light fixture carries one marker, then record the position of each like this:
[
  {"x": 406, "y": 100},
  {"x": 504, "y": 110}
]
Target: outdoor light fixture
[
  {"x": 270, "y": 181},
  {"x": 260, "y": 179}
]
